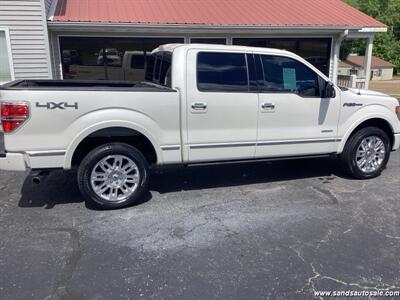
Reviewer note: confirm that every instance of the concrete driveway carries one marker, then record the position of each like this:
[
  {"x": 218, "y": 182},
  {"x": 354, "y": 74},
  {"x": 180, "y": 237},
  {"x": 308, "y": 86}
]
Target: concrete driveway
[{"x": 277, "y": 230}]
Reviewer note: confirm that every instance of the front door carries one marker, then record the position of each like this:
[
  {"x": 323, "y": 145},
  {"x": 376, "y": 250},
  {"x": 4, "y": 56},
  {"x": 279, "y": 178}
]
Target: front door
[
  {"x": 294, "y": 118},
  {"x": 221, "y": 112}
]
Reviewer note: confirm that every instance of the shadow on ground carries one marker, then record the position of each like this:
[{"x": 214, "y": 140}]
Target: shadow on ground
[{"x": 60, "y": 187}]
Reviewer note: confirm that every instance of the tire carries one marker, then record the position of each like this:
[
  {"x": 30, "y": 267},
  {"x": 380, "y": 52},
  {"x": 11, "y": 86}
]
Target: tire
[
  {"x": 375, "y": 161},
  {"x": 121, "y": 172}
]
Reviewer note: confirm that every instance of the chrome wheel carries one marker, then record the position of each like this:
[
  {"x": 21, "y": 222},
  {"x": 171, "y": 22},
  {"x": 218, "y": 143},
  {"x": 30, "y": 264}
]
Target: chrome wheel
[
  {"x": 115, "y": 178},
  {"x": 370, "y": 154}
]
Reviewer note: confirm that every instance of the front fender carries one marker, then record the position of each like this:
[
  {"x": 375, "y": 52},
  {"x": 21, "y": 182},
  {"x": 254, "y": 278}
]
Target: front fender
[
  {"x": 102, "y": 119},
  {"x": 346, "y": 128}
]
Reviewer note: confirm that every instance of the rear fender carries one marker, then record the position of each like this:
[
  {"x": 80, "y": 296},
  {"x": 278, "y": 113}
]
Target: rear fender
[{"x": 96, "y": 121}]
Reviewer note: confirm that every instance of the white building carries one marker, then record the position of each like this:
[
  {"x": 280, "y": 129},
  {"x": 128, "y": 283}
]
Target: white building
[{"x": 111, "y": 39}]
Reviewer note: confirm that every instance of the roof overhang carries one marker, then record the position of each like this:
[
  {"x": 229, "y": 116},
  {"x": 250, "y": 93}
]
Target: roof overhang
[
  {"x": 179, "y": 28},
  {"x": 373, "y": 29}
]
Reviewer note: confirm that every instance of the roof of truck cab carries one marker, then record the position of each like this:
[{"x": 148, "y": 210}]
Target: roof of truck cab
[{"x": 217, "y": 47}]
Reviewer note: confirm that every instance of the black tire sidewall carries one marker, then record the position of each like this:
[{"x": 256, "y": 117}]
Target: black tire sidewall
[
  {"x": 94, "y": 156},
  {"x": 352, "y": 147}
]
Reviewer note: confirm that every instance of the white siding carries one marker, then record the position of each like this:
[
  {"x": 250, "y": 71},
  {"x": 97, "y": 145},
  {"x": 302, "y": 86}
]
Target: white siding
[
  {"x": 26, "y": 22},
  {"x": 48, "y": 5}
]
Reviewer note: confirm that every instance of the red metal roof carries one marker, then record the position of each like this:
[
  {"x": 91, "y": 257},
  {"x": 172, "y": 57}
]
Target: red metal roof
[
  {"x": 376, "y": 62},
  {"x": 327, "y": 13}
]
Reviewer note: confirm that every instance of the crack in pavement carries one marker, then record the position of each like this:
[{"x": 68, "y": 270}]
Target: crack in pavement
[
  {"x": 361, "y": 216},
  {"x": 310, "y": 285},
  {"x": 389, "y": 236},
  {"x": 63, "y": 278},
  {"x": 326, "y": 193},
  {"x": 317, "y": 276},
  {"x": 182, "y": 235}
]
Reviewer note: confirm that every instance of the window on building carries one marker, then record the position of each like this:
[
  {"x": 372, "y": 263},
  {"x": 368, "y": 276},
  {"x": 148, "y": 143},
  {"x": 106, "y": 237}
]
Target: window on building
[
  {"x": 137, "y": 61},
  {"x": 353, "y": 72},
  {"x": 316, "y": 51},
  {"x": 222, "y": 72},
  {"x": 109, "y": 58},
  {"x": 284, "y": 44},
  {"x": 283, "y": 74},
  {"x": 220, "y": 41},
  {"x": 5, "y": 57},
  {"x": 251, "y": 42}
]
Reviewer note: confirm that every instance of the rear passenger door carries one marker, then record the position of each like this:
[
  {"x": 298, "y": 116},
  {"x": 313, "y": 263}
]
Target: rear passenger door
[
  {"x": 221, "y": 110},
  {"x": 294, "y": 117}
]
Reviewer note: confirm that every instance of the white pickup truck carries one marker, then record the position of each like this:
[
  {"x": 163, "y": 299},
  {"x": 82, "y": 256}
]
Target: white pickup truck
[{"x": 205, "y": 103}]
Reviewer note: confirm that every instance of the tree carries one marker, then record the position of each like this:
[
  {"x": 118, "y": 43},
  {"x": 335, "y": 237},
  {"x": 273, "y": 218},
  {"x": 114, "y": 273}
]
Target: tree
[{"x": 386, "y": 45}]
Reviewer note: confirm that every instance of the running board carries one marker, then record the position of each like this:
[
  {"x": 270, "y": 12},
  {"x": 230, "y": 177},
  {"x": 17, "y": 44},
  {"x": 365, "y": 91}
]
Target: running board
[{"x": 331, "y": 155}]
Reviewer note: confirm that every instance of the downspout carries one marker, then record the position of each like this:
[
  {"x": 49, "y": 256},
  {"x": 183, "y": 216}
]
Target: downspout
[{"x": 336, "y": 54}]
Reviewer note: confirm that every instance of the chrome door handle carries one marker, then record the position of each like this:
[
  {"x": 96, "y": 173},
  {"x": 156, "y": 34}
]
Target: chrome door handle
[
  {"x": 199, "y": 106},
  {"x": 268, "y": 106}
]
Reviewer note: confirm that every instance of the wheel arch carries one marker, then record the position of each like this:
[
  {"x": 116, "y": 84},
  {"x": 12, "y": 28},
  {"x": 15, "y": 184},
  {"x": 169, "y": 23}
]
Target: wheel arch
[
  {"x": 373, "y": 121},
  {"x": 102, "y": 133}
]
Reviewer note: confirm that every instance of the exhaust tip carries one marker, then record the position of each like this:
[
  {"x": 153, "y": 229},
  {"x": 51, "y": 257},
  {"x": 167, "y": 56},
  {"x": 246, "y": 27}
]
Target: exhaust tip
[{"x": 36, "y": 180}]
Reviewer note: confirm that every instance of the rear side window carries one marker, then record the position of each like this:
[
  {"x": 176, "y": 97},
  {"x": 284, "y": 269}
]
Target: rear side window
[
  {"x": 283, "y": 74},
  {"x": 150, "y": 68},
  {"x": 165, "y": 69},
  {"x": 158, "y": 68},
  {"x": 222, "y": 72}
]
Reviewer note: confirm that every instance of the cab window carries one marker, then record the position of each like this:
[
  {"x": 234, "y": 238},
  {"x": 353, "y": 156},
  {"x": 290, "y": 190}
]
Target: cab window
[
  {"x": 287, "y": 75},
  {"x": 222, "y": 72}
]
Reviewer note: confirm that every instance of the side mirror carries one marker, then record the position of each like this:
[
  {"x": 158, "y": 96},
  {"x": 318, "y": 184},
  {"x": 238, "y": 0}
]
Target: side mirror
[{"x": 329, "y": 91}]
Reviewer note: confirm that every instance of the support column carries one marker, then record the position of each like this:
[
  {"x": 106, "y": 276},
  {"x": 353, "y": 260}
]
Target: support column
[
  {"x": 367, "y": 60},
  {"x": 336, "y": 54}
]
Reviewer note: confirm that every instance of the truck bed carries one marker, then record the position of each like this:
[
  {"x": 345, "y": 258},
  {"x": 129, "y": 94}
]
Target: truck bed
[
  {"x": 98, "y": 85},
  {"x": 62, "y": 112}
]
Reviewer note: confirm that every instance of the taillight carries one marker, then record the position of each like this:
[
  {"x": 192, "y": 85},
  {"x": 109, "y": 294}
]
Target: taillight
[{"x": 13, "y": 115}]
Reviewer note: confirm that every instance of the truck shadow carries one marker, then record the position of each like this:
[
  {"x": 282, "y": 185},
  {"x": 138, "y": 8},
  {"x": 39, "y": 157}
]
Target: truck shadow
[
  {"x": 168, "y": 180},
  {"x": 60, "y": 187}
]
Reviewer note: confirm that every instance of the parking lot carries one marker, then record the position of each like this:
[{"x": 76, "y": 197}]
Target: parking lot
[
  {"x": 277, "y": 230},
  {"x": 390, "y": 87}
]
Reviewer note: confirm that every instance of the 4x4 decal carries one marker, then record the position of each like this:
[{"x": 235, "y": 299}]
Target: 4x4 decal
[{"x": 54, "y": 105}]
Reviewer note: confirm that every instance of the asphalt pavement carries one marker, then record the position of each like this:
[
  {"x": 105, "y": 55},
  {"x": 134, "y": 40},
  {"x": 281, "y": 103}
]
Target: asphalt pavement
[{"x": 278, "y": 230}]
